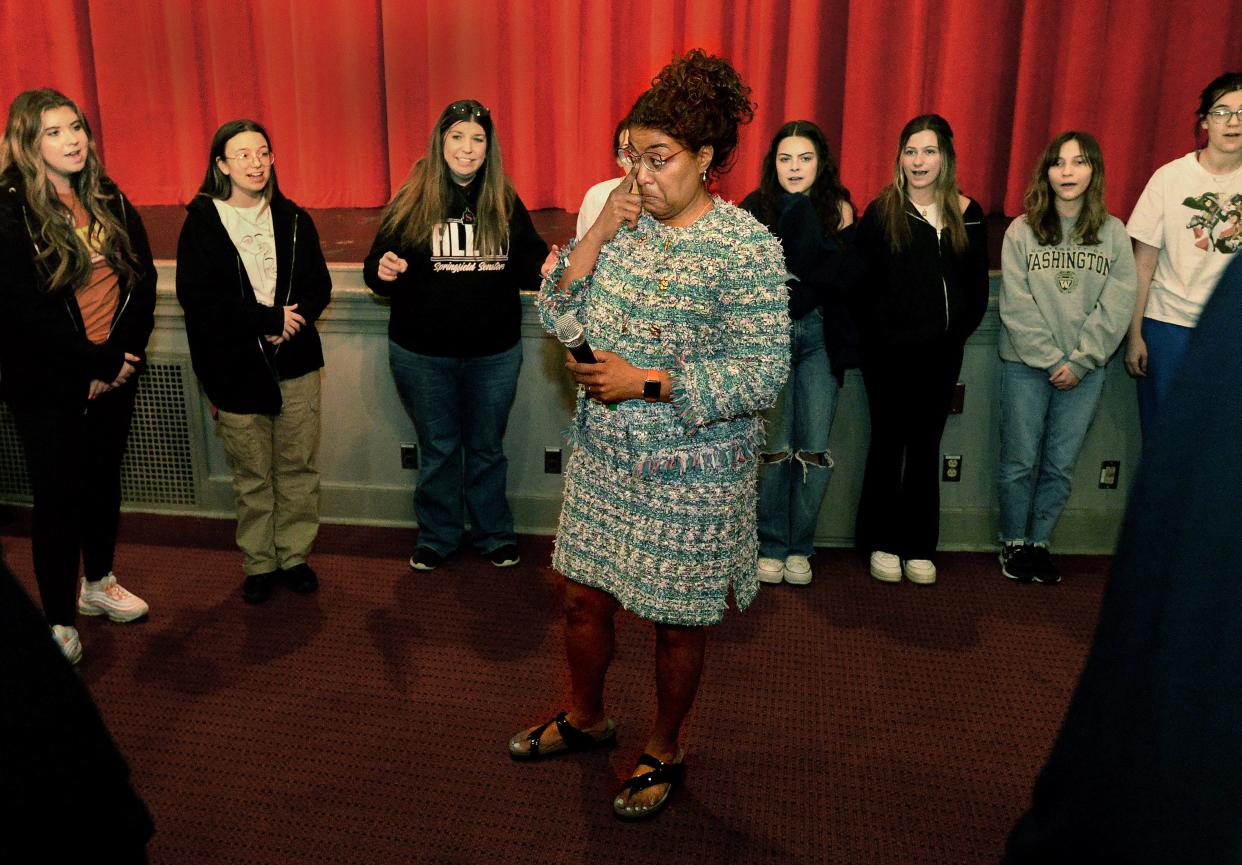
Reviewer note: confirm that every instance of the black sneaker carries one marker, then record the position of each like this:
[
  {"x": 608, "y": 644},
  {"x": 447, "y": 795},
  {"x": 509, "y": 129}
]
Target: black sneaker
[
  {"x": 425, "y": 559},
  {"x": 504, "y": 557},
  {"x": 258, "y": 587},
  {"x": 1016, "y": 562},
  {"x": 1043, "y": 568},
  {"x": 300, "y": 578}
]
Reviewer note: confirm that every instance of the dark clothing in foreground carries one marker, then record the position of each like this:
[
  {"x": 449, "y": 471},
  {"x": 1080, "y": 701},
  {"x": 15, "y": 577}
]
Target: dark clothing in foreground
[{"x": 1148, "y": 765}]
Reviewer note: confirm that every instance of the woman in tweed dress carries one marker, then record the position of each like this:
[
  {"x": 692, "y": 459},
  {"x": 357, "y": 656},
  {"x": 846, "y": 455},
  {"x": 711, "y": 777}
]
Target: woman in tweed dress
[{"x": 682, "y": 297}]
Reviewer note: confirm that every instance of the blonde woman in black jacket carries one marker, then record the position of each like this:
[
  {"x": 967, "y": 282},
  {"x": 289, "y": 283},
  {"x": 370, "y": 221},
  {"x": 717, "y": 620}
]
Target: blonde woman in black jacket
[
  {"x": 252, "y": 280},
  {"x": 925, "y": 248},
  {"x": 77, "y": 306}
]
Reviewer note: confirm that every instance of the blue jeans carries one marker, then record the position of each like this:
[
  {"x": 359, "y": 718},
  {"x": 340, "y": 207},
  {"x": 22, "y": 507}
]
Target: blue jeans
[
  {"x": 1045, "y": 427},
  {"x": 1166, "y": 346},
  {"x": 795, "y": 466},
  {"x": 460, "y": 408}
]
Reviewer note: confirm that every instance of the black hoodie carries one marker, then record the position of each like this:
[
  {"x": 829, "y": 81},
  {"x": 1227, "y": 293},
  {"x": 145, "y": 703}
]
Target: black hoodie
[{"x": 224, "y": 321}]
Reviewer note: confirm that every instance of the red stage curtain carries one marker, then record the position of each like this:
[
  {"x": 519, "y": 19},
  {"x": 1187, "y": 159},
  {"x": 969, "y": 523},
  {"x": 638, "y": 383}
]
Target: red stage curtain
[{"x": 350, "y": 89}]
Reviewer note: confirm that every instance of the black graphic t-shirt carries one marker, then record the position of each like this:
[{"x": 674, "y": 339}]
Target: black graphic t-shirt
[{"x": 454, "y": 300}]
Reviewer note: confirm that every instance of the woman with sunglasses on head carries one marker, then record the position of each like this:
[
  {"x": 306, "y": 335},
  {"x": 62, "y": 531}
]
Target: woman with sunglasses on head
[
  {"x": 252, "y": 280},
  {"x": 1185, "y": 231},
  {"x": 682, "y": 297},
  {"x": 77, "y": 306},
  {"x": 455, "y": 247},
  {"x": 925, "y": 248},
  {"x": 1065, "y": 304},
  {"x": 802, "y": 201}
]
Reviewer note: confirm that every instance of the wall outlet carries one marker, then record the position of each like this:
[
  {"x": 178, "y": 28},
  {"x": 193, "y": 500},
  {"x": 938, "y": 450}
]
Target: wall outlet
[
  {"x": 551, "y": 461},
  {"x": 1110, "y": 474},
  {"x": 409, "y": 456},
  {"x": 958, "y": 404},
  {"x": 951, "y": 472}
]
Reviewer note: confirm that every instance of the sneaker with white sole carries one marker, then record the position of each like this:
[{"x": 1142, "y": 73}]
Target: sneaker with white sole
[
  {"x": 885, "y": 567},
  {"x": 770, "y": 570},
  {"x": 109, "y": 598},
  {"x": 797, "y": 570},
  {"x": 66, "y": 637},
  {"x": 921, "y": 572}
]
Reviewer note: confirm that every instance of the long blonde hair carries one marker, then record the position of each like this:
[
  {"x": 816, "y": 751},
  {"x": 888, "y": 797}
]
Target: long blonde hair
[
  {"x": 422, "y": 201},
  {"x": 892, "y": 200},
  {"x": 61, "y": 253}
]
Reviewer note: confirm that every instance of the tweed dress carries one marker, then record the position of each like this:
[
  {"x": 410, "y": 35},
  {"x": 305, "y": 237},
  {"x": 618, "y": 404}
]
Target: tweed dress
[{"x": 660, "y": 498}]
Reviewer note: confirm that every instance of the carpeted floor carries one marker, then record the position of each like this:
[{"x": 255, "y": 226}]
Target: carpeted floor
[{"x": 845, "y": 722}]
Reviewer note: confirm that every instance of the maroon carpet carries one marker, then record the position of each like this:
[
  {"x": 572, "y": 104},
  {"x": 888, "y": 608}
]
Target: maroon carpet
[{"x": 845, "y": 722}]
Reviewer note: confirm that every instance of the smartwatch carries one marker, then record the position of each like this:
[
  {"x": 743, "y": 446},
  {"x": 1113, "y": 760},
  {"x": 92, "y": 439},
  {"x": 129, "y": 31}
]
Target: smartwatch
[{"x": 651, "y": 387}]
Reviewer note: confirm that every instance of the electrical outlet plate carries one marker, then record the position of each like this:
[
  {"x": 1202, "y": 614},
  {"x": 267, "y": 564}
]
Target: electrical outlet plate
[
  {"x": 552, "y": 461},
  {"x": 951, "y": 471},
  {"x": 1110, "y": 474},
  {"x": 409, "y": 456}
]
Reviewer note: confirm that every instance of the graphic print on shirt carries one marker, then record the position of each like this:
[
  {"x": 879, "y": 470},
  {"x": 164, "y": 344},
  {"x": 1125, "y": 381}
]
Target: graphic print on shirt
[
  {"x": 453, "y": 248},
  {"x": 1068, "y": 264},
  {"x": 94, "y": 243},
  {"x": 1217, "y": 226},
  {"x": 258, "y": 249}
]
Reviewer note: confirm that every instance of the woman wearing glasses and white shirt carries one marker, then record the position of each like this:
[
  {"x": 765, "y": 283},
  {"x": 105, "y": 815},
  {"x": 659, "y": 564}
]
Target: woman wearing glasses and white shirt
[
  {"x": 454, "y": 248},
  {"x": 252, "y": 281},
  {"x": 1186, "y": 228}
]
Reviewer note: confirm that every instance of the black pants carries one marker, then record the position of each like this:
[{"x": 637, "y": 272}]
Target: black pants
[
  {"x": 909, "y": 392},
  {"x": 73, "y": 455}
]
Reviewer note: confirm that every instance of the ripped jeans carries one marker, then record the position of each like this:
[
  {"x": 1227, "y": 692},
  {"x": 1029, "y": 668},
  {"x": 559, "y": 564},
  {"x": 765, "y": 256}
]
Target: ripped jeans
[{"x": 795, "y": 465}]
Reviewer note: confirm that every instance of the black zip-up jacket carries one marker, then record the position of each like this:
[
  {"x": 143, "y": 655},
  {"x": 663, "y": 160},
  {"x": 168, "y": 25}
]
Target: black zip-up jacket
[
  {"x": 224, "y": 322},
  {"x": 44, "y": 351},
  {"x": 925, "y": 292},
  {"x": 453, "y": 301}
]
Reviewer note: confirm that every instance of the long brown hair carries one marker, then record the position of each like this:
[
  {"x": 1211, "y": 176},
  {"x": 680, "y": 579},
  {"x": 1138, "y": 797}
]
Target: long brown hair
[
  {"x": 1040, "y": 201},
  {"x": 892, "y": 201},
  {"x": 422, "y": 201},
  {"x": 61, "y": 252},
  {"x": 217, "y": 184}
]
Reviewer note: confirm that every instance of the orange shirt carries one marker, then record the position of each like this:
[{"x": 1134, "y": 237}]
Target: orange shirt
[{"x": 99, "y": 295}]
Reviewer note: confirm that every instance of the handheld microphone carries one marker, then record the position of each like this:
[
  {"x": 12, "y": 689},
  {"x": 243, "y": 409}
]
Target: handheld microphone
[{"x": 569, "y": 332}]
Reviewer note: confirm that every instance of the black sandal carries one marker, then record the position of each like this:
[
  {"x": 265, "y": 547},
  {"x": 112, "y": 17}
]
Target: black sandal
[
  {"x": 661, "y": 773},
  {"x": 573, "y": 740}
]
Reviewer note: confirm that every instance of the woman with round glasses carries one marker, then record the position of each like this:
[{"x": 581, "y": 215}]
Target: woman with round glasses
[
  {"x": 77, "y": 303},
  {"x": 455, "y": 247},
  {"x": 802, "y": 201},
  {"x": 682, "y": 298},
  {"x": 925, "y": 248},
  {"x": 1184, "y": 229},
  {"x": 252, "y": 280}
]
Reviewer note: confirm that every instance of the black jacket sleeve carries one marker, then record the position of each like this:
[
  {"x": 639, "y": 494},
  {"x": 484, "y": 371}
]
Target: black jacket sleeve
[
  {"x": 527, "y": 249},
  {"x": 973, "y": 269},
  {"x": 136, "y": 321},
  {"x": 312, "y": 284},
  {"x": 209, "y": 285},
  {"x": 825, "y": 267},
  {"x": 385, "y": 241}
]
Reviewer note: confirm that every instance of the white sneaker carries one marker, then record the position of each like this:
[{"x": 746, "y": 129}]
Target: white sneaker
[
  {"x": 920, "y": 571},
  {"x": 885, "y": 567},
  {"x": 66, "y": 636},
  {"x": 109, "y": 598},
  {"x": 770, "y": 570},
  {"x": 797, "y": 570}
]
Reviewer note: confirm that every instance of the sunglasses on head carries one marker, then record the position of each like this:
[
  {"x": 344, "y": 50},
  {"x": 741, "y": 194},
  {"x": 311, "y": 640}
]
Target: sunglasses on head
[{"x": 465, "y": 109}]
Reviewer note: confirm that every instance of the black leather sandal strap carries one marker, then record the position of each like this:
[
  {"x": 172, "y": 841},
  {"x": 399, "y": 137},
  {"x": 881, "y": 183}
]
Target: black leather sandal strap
[
  {"x": 574, "y": 739},
  {"x": 661, "y": 773},
  {"x": 532, "y": 741}
]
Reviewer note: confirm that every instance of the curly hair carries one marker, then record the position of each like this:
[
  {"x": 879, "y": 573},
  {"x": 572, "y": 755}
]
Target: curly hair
[
  {"x": 827, "y": 192},
  {"x": 700, "y": 100}
]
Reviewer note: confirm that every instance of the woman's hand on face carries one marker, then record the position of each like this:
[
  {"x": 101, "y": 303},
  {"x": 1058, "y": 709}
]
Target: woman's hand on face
[
  {"x": 390, "y": 265},
  {"x": 621, "y": 208},
  {"x": 1064, "y": 378},
  {"x": 611, "y": 379}
]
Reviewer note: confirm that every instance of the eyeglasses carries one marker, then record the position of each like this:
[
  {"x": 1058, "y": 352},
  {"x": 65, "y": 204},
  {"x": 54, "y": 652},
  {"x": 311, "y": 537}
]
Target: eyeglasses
[
  {"x": 465, "y": 109},
  {"x": 651, "y": 160},
  {"x": 245, "y": 157},
  {"x": 1222, "y": 115}
]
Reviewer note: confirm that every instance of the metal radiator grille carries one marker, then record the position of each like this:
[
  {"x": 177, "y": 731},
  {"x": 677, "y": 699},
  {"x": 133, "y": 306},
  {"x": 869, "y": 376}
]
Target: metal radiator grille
[{"x": 158, "y": 467}]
